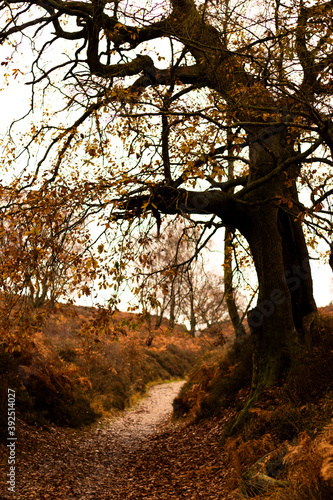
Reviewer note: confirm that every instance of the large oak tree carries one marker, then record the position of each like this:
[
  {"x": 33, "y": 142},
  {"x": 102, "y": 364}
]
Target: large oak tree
[{"x": 191, "y": 86}]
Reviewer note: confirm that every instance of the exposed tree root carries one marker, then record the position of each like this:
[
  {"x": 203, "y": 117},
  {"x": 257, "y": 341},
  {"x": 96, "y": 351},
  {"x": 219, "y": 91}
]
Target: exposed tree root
[{"x": 236, "y": 425}]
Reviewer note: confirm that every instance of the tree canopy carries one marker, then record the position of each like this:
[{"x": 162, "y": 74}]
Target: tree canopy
[{"x": 216, "y": 112}]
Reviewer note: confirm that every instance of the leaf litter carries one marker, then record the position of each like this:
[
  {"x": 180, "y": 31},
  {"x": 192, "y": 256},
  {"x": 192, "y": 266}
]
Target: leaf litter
[{"x": 140, "y": 455}]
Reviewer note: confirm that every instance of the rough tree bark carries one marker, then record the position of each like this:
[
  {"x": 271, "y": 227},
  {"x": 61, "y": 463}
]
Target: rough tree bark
[{"x": 281, "y": 259}]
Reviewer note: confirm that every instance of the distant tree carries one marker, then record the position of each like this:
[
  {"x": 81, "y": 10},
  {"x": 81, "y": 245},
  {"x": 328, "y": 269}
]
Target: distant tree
[
  {"x": 229, "y": 291},
  {"x": 176, "y": 279},
  {"x": 43, "y": 251},
  {"x": 209, "y": 300}
]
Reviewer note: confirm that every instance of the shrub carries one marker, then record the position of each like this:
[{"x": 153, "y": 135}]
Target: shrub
[
  {"x": 126, "y": 368},
  {"x": 283, "y": 423},
  {"x": 67, "y": 354},
  {"x": 216, "y": 382},
  {"x": 312, "y": 376}
]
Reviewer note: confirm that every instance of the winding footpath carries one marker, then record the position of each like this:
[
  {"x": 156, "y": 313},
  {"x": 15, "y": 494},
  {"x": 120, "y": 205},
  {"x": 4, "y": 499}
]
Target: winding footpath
[
  {"x": 139, "y": 456},
  {"x": 81, "y": 465},
  {"x": 127, "y": 433}
]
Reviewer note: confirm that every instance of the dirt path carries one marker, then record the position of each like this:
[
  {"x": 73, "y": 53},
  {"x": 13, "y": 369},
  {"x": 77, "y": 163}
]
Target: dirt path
[
  {"x": 126, "y": 434},
  {"x": 145, "y": 418},
  {"x": 138, "y": 456},
  {"x": 74, "y": 465}
]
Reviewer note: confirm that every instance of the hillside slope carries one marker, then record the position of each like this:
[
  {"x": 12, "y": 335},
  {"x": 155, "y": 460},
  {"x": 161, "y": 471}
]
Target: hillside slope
[{"x": 76, "y": 363}]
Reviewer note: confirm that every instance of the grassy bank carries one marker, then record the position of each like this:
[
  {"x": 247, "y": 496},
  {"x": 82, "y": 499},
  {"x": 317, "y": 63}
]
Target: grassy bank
[
  {"x": 79, "y": 364},
  {"x": 284, "y": 449}
]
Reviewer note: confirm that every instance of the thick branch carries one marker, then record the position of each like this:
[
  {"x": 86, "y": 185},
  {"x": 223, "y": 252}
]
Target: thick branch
[
  {"x": 133, "y": 35},
  {"x": 232, "y": 183},
  {"x": 77, "y": 9},
  {"x": 168, "y": 200},
  {"x": 152, "y": 76},
  {"x": 116, "y": 70},
  {"x": 22, "y": 27}
]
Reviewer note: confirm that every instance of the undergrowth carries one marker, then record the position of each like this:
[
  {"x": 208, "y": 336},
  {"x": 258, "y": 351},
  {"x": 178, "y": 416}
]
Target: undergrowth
[
  {"x": 284, "y": 449},
  {"x": 75, "y": 368},
  {"x": 221, "y": 378}
]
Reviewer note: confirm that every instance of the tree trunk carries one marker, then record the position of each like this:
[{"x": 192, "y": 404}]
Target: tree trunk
[
  {"x": 281, "y": 259},
  {"x": 159, "y": 320},
  {"x": 271, "y": 321},
  {"x": 160, "y": 314},
  {"x": 172, "y": 309},
  {"x": 285, "y": 293},
  {"x": 277, "y": 344},
  {"x": 297, "y": 272},
  {"x": 228, "y": 287},
  {"x": 193, "y": 322}
]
